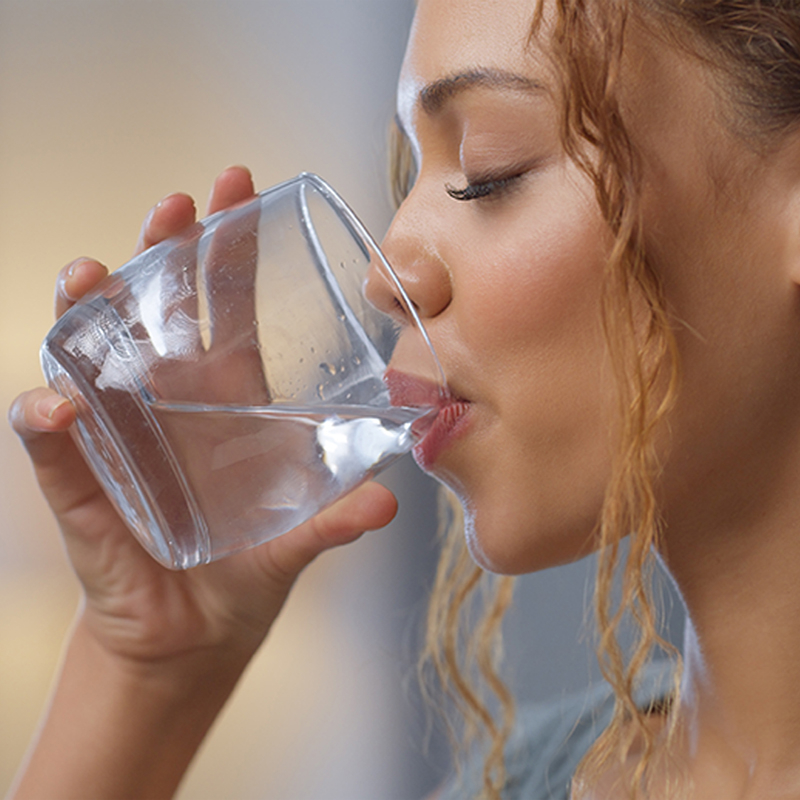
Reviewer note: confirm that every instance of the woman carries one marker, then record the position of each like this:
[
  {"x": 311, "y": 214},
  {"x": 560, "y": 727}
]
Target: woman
[{"x": 607, "y": 199}]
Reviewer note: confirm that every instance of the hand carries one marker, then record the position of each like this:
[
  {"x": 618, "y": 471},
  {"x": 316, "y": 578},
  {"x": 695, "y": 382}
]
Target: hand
[{"x": 134, "y": 608}]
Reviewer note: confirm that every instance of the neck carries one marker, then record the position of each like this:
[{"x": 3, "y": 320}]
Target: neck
[{"x": 741, "y": 692}]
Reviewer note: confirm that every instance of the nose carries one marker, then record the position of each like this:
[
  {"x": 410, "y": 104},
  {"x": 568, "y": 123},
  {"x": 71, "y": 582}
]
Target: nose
[{"x": 422, "y": 272}]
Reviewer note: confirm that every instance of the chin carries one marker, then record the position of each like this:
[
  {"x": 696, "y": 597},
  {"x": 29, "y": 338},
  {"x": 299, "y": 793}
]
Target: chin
[{"x": 504, "y": 548}]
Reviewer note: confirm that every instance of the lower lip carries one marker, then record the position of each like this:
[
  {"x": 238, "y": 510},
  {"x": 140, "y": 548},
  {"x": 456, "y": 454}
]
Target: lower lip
[
  {"x": 448, "y": 425},
  {"x": 450, "y": 420}
]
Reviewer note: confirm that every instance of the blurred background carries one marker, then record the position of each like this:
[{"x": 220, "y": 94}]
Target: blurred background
[{"x": 105, "y": 107}]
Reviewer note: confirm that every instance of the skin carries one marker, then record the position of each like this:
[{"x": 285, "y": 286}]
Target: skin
[{"x": 509, "y": 288}]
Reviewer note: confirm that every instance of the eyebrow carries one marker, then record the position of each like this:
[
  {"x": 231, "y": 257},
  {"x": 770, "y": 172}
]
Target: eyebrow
[{"x": 433, "y": 96}]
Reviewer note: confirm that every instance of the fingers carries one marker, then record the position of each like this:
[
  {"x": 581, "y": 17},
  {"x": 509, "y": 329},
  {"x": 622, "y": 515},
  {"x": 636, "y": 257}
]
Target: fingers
[
  {"x": 74, "y": 280},
  {"x": 174, "y": 213},
  {"x": 168, "y": 218},
  {"x": 177, "y": 211},
  {"x": 231, "y": 186},
  {"x": 40, "y": 411},
  {"x": 40, "y": 418},
  {"x": 369, "y": 507}
]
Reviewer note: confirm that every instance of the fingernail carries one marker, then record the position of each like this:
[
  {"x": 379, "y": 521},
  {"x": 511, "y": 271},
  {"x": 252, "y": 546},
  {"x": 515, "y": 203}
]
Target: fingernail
[
  {"x": 49, "y": 405},
  {"x": 169, "y": 197},
  {"x": 75, "y": 264},
  {"x": 70, "y": 273}
]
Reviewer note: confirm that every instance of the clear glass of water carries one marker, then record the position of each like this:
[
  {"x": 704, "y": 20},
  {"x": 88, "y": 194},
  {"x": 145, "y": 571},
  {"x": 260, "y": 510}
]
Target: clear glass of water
[{"x": 233, "y": 381}]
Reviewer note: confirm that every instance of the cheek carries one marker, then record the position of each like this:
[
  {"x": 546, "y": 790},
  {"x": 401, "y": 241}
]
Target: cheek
[
  {"x": 535, "y": 279},
  {"x": 530, "y": 319}
]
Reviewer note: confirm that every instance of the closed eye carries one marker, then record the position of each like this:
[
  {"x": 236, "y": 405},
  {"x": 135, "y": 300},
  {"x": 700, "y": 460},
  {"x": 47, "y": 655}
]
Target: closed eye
[{"x": 481, "y": 189}]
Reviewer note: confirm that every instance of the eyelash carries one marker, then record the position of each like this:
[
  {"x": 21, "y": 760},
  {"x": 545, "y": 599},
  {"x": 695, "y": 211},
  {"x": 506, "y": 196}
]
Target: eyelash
[{"x": 481, "y": 189}]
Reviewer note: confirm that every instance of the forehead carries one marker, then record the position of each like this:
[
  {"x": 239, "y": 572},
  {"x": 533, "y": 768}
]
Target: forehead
[{"x": 456, "y": 36}]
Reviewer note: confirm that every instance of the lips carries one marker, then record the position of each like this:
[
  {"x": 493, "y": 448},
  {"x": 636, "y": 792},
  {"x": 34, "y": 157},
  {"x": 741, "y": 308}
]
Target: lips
[{"x": 436, "y": 430}]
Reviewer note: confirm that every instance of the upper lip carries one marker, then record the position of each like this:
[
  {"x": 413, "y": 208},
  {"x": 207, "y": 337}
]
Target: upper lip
[{"x": 414, "y": 391}]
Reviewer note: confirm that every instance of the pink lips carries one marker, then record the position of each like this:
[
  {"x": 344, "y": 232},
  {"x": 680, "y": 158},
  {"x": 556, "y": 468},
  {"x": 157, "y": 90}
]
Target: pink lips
[{"x": 436, "y": 432}]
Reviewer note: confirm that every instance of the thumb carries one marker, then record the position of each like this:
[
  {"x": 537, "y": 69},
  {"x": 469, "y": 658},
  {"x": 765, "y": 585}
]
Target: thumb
[{"x": 368, "y": 507}]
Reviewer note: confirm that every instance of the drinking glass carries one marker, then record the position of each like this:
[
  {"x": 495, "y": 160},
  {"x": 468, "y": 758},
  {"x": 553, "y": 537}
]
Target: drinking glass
[{"x": 234, "y": 380}]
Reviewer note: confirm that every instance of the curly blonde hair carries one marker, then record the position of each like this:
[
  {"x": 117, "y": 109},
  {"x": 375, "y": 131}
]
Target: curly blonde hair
[{"x": 753, "y": 47}]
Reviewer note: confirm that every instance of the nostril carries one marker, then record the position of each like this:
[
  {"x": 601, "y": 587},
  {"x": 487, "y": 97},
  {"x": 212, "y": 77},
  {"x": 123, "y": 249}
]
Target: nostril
[
  {"x": 380, "y": 292},
  {"x": 400, "y": 307},
  {"x": 426, "y": 284},
  {"x": 428, "y": 287}
]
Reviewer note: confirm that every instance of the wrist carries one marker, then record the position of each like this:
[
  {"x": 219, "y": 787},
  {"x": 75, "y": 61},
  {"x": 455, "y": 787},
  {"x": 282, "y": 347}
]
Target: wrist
[
  {"x": 123, "y": 727},
  {"x": 176, "y": 677}
]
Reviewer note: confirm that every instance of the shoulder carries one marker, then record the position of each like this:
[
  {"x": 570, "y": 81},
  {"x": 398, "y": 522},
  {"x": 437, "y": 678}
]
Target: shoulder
[{"x": 551, "y": 738}]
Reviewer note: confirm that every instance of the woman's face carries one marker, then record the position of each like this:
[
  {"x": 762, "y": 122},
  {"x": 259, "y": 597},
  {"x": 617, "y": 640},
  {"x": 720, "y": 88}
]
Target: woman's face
[{"x": 502, "y": 248}]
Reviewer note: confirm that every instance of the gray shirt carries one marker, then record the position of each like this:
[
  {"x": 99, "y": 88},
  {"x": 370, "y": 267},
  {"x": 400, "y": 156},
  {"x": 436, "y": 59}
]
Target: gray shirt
[{"x": 550, "y": 739}]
